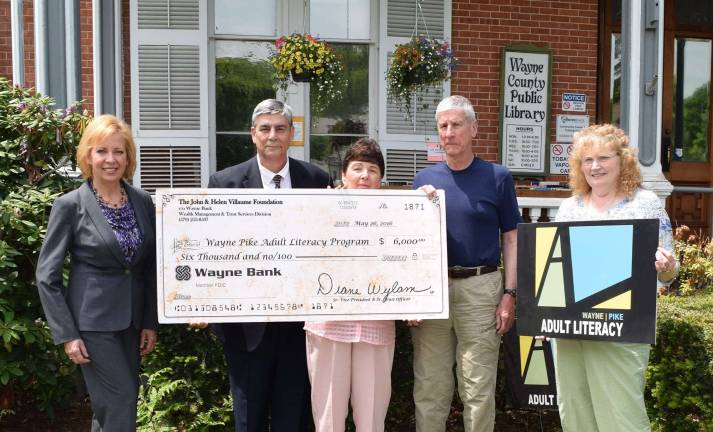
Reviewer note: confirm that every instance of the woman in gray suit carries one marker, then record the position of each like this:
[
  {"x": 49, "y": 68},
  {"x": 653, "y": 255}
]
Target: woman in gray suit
[{"x": 106, "y": 315}]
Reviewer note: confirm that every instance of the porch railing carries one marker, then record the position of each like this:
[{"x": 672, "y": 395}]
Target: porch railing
[{"x": 537, "y": 209}]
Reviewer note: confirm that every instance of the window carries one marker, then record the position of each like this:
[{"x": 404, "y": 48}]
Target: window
[
  {"x": 340, "y": 19},
  {"x": 691, "y": 95},
  {"x": 615, "y": 76},
  {"x": 345, "y": 120},
  {"x": 243, "y": 33},
  {"x": 246, "y": 17},
  {"x": 243, "y": 78}
]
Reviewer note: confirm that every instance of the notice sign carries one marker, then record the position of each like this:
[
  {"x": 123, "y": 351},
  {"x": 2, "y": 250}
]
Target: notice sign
[
  {"x": 435, "y": 152},
  {"x": 588, "y": 280},
  {"x": 559, "y": 158},
  {"x": 567, "y": 125},
  {"x": 525, "y": 79},
  {"x": 574, "y": 102}
]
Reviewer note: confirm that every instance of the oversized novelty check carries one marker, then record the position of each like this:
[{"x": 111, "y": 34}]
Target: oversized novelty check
[{"x": 241, "y": 255}]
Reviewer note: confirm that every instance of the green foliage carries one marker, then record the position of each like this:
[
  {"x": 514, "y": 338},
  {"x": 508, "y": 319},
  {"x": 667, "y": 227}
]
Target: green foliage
[
  {"x": 416, "y": 65},
  {"x": 695, "y": 257},
  {"x": 240, "y": 84},
  {"x": 695, "y": 112},
  {"x": 679, "y": 378},
  {"x": 304, "y": 57},
  {"x": 36, "y": 144},
  {"x": 185, "y": 383}
]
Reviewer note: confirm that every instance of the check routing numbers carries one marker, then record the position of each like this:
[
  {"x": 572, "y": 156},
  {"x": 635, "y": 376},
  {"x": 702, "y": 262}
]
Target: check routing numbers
[{"x": 267, "y": 255}]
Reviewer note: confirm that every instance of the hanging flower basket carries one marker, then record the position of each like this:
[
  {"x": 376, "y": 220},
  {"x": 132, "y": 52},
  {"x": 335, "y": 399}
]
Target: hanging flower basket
[
  {"x": 418, "y": 64},
  {"x": 303, "y": 58}
]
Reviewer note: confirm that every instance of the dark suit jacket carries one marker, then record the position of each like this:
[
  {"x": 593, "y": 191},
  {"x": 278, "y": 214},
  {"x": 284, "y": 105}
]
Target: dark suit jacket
[
  {"x": 247, "y": 175},
  {"x": 105, "y": 292}
]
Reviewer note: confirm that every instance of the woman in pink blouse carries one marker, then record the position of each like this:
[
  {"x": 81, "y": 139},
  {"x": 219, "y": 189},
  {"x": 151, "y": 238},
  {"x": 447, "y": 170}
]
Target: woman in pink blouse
[{"x": 352, "y": 358}]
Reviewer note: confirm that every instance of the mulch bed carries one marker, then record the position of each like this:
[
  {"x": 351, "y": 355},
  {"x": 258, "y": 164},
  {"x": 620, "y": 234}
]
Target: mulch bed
[{"x": 77, "y": 417}]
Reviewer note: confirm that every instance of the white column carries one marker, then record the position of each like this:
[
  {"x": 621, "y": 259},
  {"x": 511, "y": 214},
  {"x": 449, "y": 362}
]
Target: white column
[
  {"x": 71, "y": 35},
  {"x": 96, "y": 56},
  {"x": 41, "y": 77},
  {"x": 18, "y": 43},
  {"x": 118, "y": 61},
  {"x": 295, "y": 17},
  {"x": 637, "y": 14}
]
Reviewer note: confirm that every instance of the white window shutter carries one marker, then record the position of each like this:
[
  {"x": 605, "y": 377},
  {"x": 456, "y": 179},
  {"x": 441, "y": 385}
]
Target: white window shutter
[
  {"x": 402, "y": 165},
  {"x": 404, "y": 138},
  {"x": 169, "y": 89}
]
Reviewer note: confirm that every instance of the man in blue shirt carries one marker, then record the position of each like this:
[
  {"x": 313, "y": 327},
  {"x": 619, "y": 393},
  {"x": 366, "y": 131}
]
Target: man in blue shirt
[{"x": 481, "y": 218}]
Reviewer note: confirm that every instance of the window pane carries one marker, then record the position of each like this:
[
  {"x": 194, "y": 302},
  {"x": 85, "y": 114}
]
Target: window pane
[
  {"x": 615, "y": 78},
  {"x": 691, "y": 99},
  {"x": 339, "y": 19},
  {"x": 328, "y": 152},
  {"x": 694, "y": 13},
  {"x": 246, "y": 17},
  {"x": 232, "y": 149},
  {"x": 350, "y": 114},
  {"x": 243, "y": 78}
]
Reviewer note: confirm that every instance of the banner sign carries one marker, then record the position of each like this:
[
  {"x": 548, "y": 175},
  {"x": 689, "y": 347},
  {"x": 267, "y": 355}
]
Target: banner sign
[
  {"x": 529, "y": 371},
  {"x": 588, "y": 280},
  {"x": 526, "y": 76},
  {"x": 244, "y": 255}
]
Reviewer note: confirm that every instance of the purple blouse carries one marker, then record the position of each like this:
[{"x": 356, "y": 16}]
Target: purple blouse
[{"x": 122, "y": 221}]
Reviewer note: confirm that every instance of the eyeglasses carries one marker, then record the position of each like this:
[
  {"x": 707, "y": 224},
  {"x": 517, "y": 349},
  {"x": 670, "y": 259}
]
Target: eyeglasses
[{"x": 601, "y": 160}]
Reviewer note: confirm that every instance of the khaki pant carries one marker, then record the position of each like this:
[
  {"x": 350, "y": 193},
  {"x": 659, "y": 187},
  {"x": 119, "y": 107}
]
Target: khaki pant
[
  {"x": 468, "y": 340},
  {"x": 600, "y": 385}
]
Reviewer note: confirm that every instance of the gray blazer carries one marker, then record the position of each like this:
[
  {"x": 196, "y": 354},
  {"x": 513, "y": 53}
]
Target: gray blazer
[{"x": 105, "y": 292}]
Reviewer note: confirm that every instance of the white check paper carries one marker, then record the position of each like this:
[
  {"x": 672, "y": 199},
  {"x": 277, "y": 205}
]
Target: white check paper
[{"x": 242, "y": 255}]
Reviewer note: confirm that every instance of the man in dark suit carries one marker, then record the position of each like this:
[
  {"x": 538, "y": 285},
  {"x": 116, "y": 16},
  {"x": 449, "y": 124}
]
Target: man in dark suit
[{"x": 267, "y": 361}]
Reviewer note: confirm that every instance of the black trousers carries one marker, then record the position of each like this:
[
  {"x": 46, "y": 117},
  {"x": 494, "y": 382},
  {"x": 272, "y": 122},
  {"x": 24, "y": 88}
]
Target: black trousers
[{"x": 270, "y": 385}]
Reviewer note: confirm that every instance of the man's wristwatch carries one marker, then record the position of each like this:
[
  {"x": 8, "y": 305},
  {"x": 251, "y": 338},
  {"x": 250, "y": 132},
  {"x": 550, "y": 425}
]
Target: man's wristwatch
[{"x": 511, "y": 291}]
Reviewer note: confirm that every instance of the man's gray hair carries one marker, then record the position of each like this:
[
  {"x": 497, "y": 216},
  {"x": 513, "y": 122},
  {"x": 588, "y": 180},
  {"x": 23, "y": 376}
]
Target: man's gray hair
[
  {"x": 457, "y": 102},
  {"x": 272, "y": 106}
]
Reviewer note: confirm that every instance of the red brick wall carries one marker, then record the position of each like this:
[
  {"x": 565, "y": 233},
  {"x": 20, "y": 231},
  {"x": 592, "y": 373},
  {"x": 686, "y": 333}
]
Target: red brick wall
[
  {"x": 5, "y": 40},
  {"x": 86, "y": 56},
  {"x": 29, "y": 43},
  {"x": 481, "y": 28}
]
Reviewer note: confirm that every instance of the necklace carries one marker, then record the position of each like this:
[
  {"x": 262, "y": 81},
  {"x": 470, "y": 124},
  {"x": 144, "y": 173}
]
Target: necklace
[{"x": 114, "y": 206}]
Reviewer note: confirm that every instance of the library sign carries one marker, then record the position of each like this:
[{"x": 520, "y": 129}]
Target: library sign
[{"x": 525, "y": 82}]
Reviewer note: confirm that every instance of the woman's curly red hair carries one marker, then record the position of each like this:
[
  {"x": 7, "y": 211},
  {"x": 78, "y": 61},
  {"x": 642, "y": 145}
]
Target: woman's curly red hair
[{"x": 613, "y": 139}]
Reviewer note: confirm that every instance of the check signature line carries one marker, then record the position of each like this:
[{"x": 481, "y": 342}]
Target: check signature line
[{"x": 334, "y": 256}]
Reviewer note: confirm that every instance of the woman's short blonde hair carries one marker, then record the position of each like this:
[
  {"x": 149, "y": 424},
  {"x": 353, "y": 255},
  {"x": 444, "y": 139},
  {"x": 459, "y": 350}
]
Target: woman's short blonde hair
[
  {"x": 611, "y": 138},
  {"x": 99, "y": 130}
]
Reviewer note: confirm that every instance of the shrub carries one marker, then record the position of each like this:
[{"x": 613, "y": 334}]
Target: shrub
[
  {"x": 36, "y": 144},
  {"x": 695, "y": 256},
  {"x": 185, "y": 383},
  {"x": 680, "y": 374}
]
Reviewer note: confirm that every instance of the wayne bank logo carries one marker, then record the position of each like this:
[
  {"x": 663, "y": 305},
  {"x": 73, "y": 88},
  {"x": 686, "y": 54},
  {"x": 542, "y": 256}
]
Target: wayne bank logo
[{"x": 183, "y": 273}]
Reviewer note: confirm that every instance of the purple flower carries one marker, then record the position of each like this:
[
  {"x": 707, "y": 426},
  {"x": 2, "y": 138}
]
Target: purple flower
[{"x": 22, "y": 106}]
